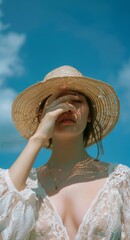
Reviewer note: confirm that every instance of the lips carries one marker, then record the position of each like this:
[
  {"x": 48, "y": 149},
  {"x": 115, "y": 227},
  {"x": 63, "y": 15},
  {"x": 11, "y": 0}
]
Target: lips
[{"x": 66, "y": 117}]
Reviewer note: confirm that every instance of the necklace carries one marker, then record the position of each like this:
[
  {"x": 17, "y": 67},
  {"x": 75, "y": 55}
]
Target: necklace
[
  {"x": 54, "y": 179},
  {"x": 88, "y": 167}
]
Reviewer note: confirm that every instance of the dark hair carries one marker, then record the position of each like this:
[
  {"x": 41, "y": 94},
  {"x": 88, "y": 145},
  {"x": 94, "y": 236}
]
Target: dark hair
[{"x": 92, "y": 129}]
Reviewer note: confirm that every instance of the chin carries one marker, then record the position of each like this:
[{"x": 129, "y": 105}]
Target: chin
[{"x": 67, "y": 133}]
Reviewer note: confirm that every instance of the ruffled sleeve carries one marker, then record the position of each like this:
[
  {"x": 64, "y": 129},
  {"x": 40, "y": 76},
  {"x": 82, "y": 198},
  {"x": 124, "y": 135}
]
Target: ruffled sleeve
[
  {"x": 18, "y": 210},
  {"x": 125, "y": 189}
]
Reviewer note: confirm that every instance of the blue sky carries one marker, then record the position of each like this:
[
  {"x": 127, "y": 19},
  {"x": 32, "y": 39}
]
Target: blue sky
[{"x": 37, "y": 36}]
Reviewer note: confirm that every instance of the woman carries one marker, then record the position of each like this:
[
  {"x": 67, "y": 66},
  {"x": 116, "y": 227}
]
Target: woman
[{"x": 73, "y": 196}]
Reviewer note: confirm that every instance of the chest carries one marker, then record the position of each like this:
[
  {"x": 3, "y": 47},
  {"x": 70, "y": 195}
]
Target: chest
[
  {"x": 79, "y": 210},
  {"x": 73, "y": 202}
]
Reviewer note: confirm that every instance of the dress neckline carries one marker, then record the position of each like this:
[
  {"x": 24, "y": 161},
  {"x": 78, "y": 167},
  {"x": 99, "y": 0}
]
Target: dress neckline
[{"x": 111, "y": 170}]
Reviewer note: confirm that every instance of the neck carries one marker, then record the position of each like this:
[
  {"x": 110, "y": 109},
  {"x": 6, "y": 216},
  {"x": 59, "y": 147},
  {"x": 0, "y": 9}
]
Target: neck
[{"x": 65, "y": 154}]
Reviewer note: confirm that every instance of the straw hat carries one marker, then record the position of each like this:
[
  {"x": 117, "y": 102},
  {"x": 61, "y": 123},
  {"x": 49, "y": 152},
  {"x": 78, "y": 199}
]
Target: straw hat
[{"x": 102, "y": 96}]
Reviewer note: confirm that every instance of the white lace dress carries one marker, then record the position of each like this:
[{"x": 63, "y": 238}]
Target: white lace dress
[{"x": 30, "y": 215}]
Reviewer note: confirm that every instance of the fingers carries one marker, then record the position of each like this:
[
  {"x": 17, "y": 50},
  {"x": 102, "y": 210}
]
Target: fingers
[
  {"x": 64, "y": 107},
  {"x": 62, "y": 103},
  {"x": 54, "y": 100}
]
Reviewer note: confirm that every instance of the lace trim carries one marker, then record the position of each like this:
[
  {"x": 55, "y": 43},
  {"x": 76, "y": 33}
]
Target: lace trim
[{"x": 25, "y": 194}]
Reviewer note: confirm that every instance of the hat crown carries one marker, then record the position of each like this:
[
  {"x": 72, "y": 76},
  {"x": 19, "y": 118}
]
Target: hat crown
[{"x": 63, "y": 71}]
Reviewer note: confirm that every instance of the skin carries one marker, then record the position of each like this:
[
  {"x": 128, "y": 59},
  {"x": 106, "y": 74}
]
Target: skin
[
  {"x": 67, "y": 150},
  {"x": 67, "y": 137},
  {"x": 61, "y": 135}
]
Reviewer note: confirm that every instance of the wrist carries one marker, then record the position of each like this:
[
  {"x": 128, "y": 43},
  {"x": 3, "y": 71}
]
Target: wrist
[{"x": 39, "y": 141}]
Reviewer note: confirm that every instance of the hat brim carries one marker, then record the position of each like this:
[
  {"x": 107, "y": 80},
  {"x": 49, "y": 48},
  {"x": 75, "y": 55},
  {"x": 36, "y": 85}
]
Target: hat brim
[{"x": 102, "y": 95}]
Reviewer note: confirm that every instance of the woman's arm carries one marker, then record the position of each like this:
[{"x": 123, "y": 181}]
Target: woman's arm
[{"x": 20, "y": 170}]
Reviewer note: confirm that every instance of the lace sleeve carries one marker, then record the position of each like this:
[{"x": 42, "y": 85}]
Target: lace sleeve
[
  {"x": 125, "y": 188},
  {"x": 17, "y": 209}
]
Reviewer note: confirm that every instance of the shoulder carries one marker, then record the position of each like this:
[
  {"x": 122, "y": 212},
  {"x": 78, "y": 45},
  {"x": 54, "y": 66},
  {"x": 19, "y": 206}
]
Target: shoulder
[
  {"x": 4, "y": 177},
  {"x": 32, "y": 180},
  {"x": 122, "y": 170},
  {"x": 120, "y": 176},
  {"x": 3, "y": 171},
  {"x": 34, "y": 184}
]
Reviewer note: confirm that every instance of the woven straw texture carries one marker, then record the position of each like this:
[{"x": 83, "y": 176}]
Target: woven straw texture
[{"x": 102, "y": 95}]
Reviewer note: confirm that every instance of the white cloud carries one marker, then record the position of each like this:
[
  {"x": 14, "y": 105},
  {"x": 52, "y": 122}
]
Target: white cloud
[
  {"x": 10, "y": 61},
  {"x": 124, "y": 76},
  {"x": 11, "y": 65},
  {"x": 10, "y": 47},
  {"x": 10, "y": 139},
  {"x": 124, "y": 88},
  {"x": 7, "y": 96}
]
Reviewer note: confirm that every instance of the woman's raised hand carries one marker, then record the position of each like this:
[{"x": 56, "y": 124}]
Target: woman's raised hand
[
  {"x": 52, "y": 109},
  {"x": 54, "y": 106}
]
